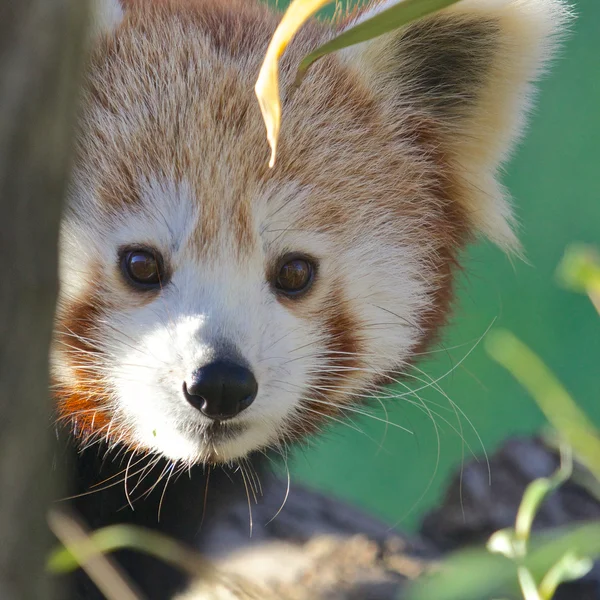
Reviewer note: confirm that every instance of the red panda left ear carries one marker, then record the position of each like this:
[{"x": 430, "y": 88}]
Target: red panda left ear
[
  {"x": 469, "y": 69},
  {"x": 106, "y": 15}
]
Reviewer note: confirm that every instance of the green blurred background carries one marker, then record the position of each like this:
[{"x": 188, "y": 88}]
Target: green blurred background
[{"x": 555, "y": 181}]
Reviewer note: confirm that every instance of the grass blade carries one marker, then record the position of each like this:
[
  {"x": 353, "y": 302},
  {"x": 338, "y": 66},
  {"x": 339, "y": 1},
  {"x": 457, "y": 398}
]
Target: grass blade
[
  {"x": 107, "y": 576},
  {"x": 476, "y": 574},
  {"x": 569, "y": 568},
  {"x": 535, "y": 494},
  {"x": 118, "y": 537},
  {"x": 388, "y": 20},
  {"x": 551, "y": 397}
]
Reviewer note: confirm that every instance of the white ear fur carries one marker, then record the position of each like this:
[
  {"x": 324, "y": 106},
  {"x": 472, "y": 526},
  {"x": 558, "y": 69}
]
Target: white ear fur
[
  {"x": 471, "y": 68},
  {"x": 106, "y": 15}
]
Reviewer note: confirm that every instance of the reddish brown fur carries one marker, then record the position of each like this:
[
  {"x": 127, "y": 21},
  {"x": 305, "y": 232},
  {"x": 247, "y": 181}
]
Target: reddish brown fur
[
  {"x": 171, "y": 144},
  {"x": 342, "y": 329},
  {"x": 170, "y": 98},
  {"x": 233, "y": 28},
  {"x": 84, "y": 404},
  {"x": 451, "y": 231}
]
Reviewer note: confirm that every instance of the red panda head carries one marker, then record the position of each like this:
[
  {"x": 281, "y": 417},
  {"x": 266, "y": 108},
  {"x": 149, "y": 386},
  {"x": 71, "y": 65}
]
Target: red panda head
[{"x": 211, "y": 306}]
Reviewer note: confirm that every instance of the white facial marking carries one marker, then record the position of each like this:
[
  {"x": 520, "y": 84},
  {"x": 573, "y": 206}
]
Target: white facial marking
[
  {"x": 373, "y": 218},
  {"x": 106, "y": 15},
  {"x": 152, "y": 345}
]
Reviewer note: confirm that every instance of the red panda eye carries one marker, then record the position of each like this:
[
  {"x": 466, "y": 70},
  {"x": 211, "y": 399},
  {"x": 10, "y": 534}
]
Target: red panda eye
[
  {"x": 295, "y": 275},
  {"x": 142, "y": 268}
]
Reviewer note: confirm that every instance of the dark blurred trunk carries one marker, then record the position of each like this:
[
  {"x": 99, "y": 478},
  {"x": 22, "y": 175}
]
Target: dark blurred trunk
[{"x": 40, "y": 55}]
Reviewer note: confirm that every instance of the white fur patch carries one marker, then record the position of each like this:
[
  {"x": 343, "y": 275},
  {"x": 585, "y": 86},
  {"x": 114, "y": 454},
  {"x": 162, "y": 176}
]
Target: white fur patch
[
  {"x": 148, "y": 351},
  {"x": 106, "y": 15},
  {"x": 170, "y": 159}
]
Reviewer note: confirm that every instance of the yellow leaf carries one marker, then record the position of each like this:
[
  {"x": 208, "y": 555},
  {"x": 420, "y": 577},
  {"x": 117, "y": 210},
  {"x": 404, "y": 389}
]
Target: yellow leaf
[{"x": 267, "y": 84}]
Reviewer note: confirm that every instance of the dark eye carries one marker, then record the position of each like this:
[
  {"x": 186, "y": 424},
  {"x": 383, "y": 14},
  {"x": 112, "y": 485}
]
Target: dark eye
[
  {"x": 295, "y": 275},
  {"x": 143, "y": 268}
]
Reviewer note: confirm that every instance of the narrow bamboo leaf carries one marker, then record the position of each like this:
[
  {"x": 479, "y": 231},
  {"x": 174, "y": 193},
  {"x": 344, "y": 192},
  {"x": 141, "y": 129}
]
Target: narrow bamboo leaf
[
  {"x": 533, "y": 497},
  {"x": 536, "y": 492},
  {"x": 512, "y": 543},
  {"x": 527, "y": 584},
  {"x": 552, "y": 398},
  {"x": 108, "y": 577},
  {"x": 569, "y": 568},
  {"x": 580, "y": 476},
  {"x": 267, "y": 84},
  {"x": 116, "y": 537},
  {"x": 388, "y": 20},
  {"x": 475, "y": 574}
]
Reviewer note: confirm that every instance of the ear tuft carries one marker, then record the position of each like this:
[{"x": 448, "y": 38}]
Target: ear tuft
[
  {"x": 106, "y": 16},
  {"x": 471, "y": 69}
]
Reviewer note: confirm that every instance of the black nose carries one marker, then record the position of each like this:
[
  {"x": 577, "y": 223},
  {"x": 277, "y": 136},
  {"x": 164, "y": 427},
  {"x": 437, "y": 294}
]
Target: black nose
[{"x": 221, "y": 390}]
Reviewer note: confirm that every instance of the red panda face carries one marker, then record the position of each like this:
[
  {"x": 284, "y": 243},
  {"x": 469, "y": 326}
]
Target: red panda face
[{"x": 211, "y": 306}]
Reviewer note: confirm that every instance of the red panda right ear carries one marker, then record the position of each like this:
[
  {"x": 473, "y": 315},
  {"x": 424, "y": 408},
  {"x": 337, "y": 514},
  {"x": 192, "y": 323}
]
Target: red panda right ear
[
  {"x": 106, "y": 15},
  {"x": 470, "y": 68}
]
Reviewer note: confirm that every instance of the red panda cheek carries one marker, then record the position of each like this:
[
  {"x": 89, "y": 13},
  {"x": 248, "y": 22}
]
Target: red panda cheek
[
  {"x": 83, "y": 408},
  {"x": 83, "y": 399},
  {"x": 341, "y": 368}
]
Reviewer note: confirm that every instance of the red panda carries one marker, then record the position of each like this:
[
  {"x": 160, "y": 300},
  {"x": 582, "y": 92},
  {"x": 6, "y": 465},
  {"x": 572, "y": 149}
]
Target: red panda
[{"x": 212, "y": 307}]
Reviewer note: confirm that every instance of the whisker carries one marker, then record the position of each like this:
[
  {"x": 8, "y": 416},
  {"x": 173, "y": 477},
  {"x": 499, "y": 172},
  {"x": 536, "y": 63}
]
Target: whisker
[
  {"x": 287, "y": 490},
  {"x": 162, "y": 496},
  {"x": 125, "y": 482},
  {"x": 205, "y": 500},
  {"x": 248, "y": 497}
]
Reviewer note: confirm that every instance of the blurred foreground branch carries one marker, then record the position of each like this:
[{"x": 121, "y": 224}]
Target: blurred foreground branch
[{"x": 40, "y": 55}]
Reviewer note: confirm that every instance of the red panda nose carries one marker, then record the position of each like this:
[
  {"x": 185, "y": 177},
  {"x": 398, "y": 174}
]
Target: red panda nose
[{"x": 221, "y": 390}]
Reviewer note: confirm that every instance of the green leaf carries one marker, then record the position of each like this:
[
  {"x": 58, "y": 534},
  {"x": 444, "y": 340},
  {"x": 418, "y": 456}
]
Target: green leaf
[
  {"x": 536, "y": 492},
  {"x": 503, "y": 542},
  {"x": 579, "y": 270},
  {"x": 476, "y": 574},
  {"x": 117, "y": 537},
  {"x": 580, "y": 476},
  {"x": 552, "y": 398},
  {"x": 527, "y": 584},
  {"x": 388, "y": 20},
  {"x": 569, "y": 568}
]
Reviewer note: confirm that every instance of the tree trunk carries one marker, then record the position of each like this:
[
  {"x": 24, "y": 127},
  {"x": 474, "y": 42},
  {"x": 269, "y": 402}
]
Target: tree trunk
[{"x": 41, "y": 46}]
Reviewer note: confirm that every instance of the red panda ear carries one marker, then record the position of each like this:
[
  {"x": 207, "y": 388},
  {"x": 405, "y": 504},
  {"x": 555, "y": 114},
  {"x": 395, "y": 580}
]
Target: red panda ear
[
  {"x": 470, "y": 70},
  {"x": 106, "y": 15}
]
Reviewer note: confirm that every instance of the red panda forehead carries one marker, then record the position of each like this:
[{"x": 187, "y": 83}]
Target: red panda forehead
[
  {"x": 170, "y": 97},
  {"x": 169, "y": 91}
]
